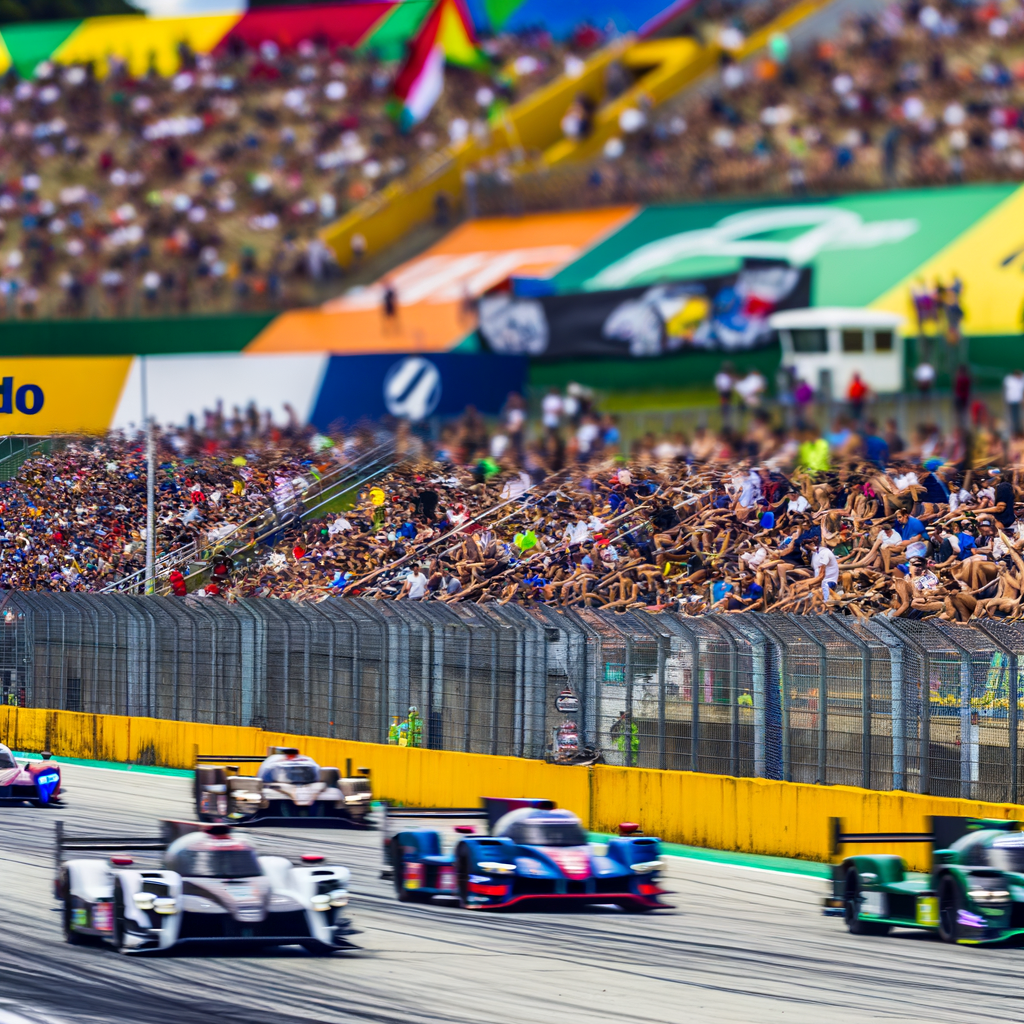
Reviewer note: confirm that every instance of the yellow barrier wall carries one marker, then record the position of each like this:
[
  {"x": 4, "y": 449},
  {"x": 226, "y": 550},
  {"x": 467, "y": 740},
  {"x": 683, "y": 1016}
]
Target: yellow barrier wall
[{"x": 783, "y": 819}]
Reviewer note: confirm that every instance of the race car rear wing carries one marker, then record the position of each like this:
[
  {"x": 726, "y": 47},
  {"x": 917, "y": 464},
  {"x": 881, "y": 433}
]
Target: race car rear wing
[
  {"x": 64, "y": 843},
  {"x": 233, "y": 760},
  {"x": 945, "y": 830}
]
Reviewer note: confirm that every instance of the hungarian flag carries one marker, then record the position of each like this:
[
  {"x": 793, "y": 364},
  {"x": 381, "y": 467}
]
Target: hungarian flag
[{"x": 446, "y": 36}]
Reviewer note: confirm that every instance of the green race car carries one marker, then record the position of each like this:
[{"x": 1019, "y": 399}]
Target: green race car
[{"x": 973, "y": 894}]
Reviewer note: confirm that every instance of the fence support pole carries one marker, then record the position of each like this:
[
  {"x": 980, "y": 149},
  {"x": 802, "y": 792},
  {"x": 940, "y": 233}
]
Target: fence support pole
[
  {"x": 898, "y": 710},
  {"x": 697, "y": 682},
  {"x": 1012, "y": 710},
  {"x": 662, "y": 659},
  {"x": 865, "y": 696},
  {"x": 630, "y": 755},
  {"x": 758, "y": 660},
  {"x": 968, "y": 744}
]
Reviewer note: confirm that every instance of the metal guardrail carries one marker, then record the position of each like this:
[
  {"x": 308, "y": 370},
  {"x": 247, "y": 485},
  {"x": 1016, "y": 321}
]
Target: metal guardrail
[
  {"x": 267, "y": 521},
  {"x": 884, "y": 704}
]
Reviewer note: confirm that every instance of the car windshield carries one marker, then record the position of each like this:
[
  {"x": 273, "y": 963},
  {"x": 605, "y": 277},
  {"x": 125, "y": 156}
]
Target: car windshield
[
  {"x": 218, "y": 864},
  {"x": 1007, "y": 853},
  {"x": 7, "y": 760},
  {"x": 296, "y": 774},
  {"x": 547, "y": 833}
]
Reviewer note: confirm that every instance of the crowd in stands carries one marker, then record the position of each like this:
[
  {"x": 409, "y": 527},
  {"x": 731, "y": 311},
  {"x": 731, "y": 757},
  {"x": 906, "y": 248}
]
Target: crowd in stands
[
  {"x": 855, "y": 519},
  {"x": 923, "y": 93},
  {"x": 204, "y": 191},
  {"x": 74, "y": 517}
]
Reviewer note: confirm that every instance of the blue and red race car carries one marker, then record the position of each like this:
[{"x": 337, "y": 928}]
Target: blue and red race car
[
  {"x": 36, "y": 782},
  {"x": 532, "y": 852}
]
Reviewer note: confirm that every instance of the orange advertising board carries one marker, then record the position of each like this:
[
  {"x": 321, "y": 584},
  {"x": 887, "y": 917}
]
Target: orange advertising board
[{"x": 433, "y": 290}]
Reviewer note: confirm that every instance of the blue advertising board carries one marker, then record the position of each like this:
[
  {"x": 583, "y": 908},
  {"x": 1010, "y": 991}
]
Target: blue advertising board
[{"x": 415, "y": 387}]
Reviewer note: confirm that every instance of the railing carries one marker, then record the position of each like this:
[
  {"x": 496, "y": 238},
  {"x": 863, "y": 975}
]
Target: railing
[
  {"x": 268, "y": 520},
  {"x": 929, "y": 707}
]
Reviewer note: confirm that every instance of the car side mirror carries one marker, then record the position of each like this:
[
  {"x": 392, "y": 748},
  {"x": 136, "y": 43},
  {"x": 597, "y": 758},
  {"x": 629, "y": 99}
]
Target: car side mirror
[
  {"x": 364, "y": 771},
  {"x": 944, "y": 856},
  {"x": 465, "y": 830},
  {"x": 46, "y": 755}
]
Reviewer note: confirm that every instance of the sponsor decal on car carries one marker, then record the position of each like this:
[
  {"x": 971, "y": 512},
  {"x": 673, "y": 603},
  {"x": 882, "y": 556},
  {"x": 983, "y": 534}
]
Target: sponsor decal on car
[
  {"x": 103, "y": 917},
  {"x": 573, "y": 862},
  {"x": 413, "y": 875},
  {"x": 928, "y": 911},
  {"x": 873, "y": 904}
]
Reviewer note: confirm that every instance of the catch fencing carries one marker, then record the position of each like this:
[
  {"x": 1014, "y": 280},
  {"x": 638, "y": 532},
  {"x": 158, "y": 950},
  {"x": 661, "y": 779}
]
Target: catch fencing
[{"x": 888, "y": 704}]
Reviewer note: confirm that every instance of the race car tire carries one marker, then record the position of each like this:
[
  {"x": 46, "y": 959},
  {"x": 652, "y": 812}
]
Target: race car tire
[
  {"x": 851, "y": 909},
  {"x": 462, "y": 878},
  {"x": 70, "y": 935},
  {"x": 950, "y": 904},
  {"x": 119, "y": 927}
]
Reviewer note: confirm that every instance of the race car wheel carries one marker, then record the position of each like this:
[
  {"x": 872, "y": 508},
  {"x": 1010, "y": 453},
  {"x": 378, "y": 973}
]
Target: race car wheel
[
  {"x": 851, "y": 909},
  {"x": 70, "y": 935},
  {"x": 462, "y": 878},
  {"x": 119, "y": 924},
  {"x": 950, "y": 905}
]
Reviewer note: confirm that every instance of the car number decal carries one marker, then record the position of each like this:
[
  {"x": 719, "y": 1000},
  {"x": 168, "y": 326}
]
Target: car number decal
[
  {"x": 874, "y": 904},
  {"x": 928, "y": 911},
  {"x": 103, "y": 917}
]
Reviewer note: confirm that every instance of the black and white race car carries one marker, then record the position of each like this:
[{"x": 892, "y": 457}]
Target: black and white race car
[
  {"x": 208, "y": 886},
  {"x": 288, "y": 788}
]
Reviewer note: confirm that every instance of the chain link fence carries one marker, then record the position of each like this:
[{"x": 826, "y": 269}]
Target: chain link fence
[{"x": 921, "y": 706}]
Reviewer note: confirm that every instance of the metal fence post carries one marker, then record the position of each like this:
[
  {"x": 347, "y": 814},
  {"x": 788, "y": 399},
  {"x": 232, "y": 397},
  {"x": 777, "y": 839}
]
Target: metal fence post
[
  {"x": 764, "y": 623},
  {"x": 924, "y": 741},
  {"x": 865, "y": 693},
  {"x": 822, "y": 698},
  {"x": 1012, "y": 710}
]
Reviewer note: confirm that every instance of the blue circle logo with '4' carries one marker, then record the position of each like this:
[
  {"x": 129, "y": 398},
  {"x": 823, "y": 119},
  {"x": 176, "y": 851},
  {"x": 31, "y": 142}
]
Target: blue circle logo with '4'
[{"x": 412, "y": 388}]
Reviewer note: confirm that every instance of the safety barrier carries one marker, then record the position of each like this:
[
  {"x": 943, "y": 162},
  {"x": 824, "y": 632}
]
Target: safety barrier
[
  {"x": 746, "y": 815},
  {"x": 886, "y": 704}
]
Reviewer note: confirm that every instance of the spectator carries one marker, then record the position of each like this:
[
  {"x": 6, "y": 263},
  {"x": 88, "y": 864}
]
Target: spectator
[{"x": 1013, "y": 395}]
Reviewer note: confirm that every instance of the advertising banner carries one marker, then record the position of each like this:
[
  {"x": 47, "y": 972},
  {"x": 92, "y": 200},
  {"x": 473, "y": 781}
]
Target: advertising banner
[
  {"x": 414, "y": 387},
  {"x": 725, "y": 313},
  {"x": 90, "y": 395},
  {"x": 71, "y": 395},
  {"x": 867, "y": 250},
  {"x": 434, "y": 292}
]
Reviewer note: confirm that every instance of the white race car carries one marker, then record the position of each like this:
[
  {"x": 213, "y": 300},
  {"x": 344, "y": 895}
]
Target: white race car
[
  {"x": 209, "y": 886},
  {"x": 288, "y": 788}
]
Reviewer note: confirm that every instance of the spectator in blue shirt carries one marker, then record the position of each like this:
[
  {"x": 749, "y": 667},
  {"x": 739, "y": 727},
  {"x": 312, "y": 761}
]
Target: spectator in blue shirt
[
  {"x": 914, "y": 534},
  {"x": 876, "y": 448}
]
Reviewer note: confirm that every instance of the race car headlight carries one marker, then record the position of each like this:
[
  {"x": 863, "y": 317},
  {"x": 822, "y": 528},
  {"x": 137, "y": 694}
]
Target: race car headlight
[
  {"x": 645, "y": 867},
  {"x": 495, "y": 867},
  {"x": 989, "y": 895},
  {"x": 144, "y": 900},
  {"x": 339, "y": 898},
  {"x": 321, "y": 902},
  {"x": 165, "y": 905}
]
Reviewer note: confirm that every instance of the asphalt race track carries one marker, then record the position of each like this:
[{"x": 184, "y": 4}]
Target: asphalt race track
[{"x": 743, "y": 945}]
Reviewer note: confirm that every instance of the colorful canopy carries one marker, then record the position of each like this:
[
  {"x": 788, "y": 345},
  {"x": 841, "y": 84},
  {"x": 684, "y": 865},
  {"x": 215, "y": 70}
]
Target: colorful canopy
[{"x": 383, "y": 26}]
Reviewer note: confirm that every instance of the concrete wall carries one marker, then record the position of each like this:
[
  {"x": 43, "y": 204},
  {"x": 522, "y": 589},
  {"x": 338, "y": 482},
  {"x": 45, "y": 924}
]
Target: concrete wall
[{"x": 750, "y": 815}]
